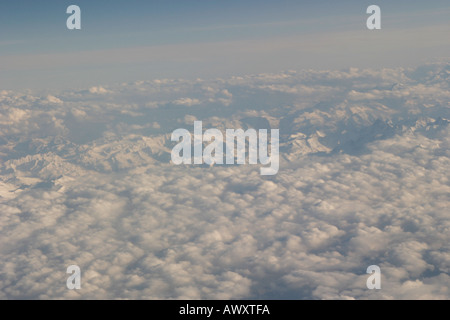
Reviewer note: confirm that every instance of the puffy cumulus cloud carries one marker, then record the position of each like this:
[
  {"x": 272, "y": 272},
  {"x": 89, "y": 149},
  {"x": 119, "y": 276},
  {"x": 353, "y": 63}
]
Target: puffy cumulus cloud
[
  {"x": 187, "y": 102},
  {"x": 98, "y": 90},
  {"x": 362, "y": 181},
  {"x": 52, "y": 100}
]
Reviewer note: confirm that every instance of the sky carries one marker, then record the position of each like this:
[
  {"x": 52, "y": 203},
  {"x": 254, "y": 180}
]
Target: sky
[{"x": 141, "y": 40}]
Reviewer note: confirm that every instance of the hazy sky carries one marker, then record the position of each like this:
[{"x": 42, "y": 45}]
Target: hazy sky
[{"x": 133, "y": 40}]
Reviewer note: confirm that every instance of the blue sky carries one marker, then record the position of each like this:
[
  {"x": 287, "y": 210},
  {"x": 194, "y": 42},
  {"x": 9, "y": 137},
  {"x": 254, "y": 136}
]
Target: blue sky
[{"x": 131, "y": 40}]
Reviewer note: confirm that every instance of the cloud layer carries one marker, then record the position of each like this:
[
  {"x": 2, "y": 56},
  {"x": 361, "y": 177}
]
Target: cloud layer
[{"x": 86, "y": 179}]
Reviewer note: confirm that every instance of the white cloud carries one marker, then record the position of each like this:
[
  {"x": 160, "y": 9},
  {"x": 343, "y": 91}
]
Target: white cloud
[
  {"x": 94, "y": 186},
  {"x": 52, "y": 100},
  {"x": 186, "y": 102},
  {"x": 98, "y": 90}
]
